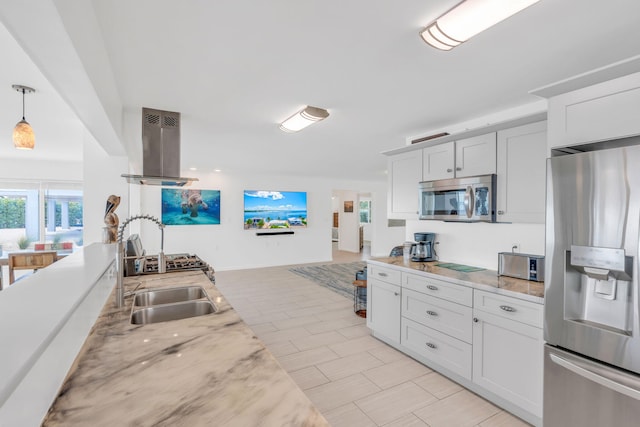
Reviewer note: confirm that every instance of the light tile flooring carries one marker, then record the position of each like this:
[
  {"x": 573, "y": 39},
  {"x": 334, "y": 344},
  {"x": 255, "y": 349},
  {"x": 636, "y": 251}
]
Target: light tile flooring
[{"x": 351, "y": 377}]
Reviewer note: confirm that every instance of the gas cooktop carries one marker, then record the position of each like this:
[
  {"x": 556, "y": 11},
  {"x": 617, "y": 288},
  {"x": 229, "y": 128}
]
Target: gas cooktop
[{"x": 174, "y": 262}]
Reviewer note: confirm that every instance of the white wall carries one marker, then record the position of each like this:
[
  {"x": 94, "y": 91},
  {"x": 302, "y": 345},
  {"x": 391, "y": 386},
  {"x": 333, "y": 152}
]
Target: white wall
[
  {"x": 101, "y": 179},
  {"x": 228, "y": 246},
  {"x": 29, "y": 170},
  {"x": 478, "y": 244}
]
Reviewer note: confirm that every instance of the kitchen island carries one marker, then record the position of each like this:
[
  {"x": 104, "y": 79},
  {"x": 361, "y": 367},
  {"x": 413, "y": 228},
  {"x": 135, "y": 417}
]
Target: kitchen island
[{"x": 206, "y": 370}]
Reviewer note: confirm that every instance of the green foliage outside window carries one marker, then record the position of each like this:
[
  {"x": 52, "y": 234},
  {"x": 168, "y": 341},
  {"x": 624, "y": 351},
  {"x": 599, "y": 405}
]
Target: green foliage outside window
[
  {"x": 12, "y": 212},
  {"x": 75, "y": 214},
  {"x": 365, "y": 211}
]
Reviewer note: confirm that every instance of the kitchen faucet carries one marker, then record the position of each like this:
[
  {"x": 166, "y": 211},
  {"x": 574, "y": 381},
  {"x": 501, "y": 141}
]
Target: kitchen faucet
[{"x": 120, "y": 257}]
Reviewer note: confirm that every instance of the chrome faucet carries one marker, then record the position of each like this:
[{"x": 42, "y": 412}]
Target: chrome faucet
[{"x": 162, "y": 267}]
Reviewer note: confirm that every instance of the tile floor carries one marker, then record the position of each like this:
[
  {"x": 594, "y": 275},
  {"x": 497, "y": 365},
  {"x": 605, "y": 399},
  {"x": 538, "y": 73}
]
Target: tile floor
[{"x": 351, "y": 377}]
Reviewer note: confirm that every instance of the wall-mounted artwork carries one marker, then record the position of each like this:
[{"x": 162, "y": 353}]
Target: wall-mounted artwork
[
  {"x": 348, "y": 206},
  {"x": 190, "y": 207},
  {"x": 275, "y": 209}
]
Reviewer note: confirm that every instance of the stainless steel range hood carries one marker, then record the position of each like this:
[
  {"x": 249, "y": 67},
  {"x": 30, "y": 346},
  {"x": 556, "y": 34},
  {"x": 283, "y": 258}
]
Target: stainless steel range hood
[{"x": 160, "y": 150}]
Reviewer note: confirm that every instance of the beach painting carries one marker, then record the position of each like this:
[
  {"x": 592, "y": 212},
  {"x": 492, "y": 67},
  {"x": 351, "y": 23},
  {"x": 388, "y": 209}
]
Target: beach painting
[
  {"x": 190, "y": 207},
  {"x": 275, "y": 209}
]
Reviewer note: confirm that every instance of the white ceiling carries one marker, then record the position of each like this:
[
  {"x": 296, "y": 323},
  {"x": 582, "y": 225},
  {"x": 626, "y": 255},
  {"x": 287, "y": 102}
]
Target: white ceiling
[{"x": 234, "y": 69}]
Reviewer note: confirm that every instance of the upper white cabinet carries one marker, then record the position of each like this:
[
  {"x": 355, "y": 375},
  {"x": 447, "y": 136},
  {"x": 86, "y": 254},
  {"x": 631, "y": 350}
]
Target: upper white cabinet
[
  {"x": 476, "y": 155},
  {"x": 438, "y": 161},
  {"x": 520, "y": 160},
  {"x": 461, "y": 158},
  {"x": 521, "y": 166},
  {"x": 599, "y": 105},
  {"x": 607, "y": 110},
  {"x": 404, "y": 174}
]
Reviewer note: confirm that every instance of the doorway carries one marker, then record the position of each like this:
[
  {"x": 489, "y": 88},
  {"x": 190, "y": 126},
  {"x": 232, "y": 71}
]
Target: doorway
[{"x": 351, "y": 223}]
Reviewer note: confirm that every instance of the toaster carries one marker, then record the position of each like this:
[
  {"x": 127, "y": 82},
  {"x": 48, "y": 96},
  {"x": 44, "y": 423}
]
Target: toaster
[{"x": 522, "y": 266}]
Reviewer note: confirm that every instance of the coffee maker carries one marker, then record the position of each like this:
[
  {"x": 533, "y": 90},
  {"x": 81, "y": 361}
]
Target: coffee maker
[{"x": 424, "y": 247}]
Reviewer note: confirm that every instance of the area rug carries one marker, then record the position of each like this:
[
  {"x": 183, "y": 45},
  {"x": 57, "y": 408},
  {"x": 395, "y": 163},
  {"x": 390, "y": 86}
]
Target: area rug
[{"x": 336, "y": 277}]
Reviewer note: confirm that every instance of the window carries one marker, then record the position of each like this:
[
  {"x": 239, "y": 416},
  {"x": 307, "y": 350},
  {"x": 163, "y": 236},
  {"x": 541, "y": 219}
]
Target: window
[
  {"x": 365, "y": 211},
  {"x": 42, "y": 213}
]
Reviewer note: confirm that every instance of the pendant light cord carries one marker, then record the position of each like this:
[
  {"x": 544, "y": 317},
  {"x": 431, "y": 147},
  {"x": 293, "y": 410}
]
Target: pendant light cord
[{"x": 23, "y": 104}]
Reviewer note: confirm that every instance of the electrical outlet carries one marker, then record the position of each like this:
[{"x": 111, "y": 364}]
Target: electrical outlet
[{"x": 515, "y": 247}]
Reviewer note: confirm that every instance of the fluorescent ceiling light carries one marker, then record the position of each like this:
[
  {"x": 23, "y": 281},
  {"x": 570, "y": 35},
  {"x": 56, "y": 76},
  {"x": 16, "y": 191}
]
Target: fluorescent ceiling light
[
  {"x": 304, "y": 118},
  {"x": 468, "y": 19}
]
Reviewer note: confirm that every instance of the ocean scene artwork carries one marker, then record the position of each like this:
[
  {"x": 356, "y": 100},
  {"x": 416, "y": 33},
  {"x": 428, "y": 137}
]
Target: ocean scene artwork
[
  {"x": 190, "y": 207},
  {"x": 275, "y": 209}
]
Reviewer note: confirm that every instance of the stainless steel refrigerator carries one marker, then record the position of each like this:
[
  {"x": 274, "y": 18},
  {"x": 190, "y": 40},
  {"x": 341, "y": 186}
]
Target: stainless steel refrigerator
[{"x": 592, "y": 306}]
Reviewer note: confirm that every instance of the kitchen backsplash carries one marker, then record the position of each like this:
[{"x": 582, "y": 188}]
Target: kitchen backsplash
[{"x": 478, "y": 244}]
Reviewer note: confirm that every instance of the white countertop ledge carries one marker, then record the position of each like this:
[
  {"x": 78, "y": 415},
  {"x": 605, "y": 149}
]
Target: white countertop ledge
[{"x": 34, "y": 313}]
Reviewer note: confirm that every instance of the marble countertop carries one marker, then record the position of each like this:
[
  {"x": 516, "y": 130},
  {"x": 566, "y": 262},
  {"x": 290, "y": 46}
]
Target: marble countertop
[
  {"x": 208, "y": 370},
  {"x": 485, "y": 279}
]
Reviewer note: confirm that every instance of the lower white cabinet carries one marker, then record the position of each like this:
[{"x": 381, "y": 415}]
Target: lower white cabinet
[
  {"x": 508, "y": 356},
  {"x": 383, "y": 309},
  {"x": 489, "y": 342},
  {"x": 435, "y": 346},
  {"x": 445, "y": 316}
]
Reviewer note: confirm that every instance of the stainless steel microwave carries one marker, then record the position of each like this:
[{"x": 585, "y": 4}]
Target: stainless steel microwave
[{"x": 468, "y": 199}]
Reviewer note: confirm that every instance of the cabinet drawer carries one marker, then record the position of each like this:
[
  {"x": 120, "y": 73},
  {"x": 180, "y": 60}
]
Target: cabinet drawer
[
  {"x": 510, "y": 308},
  {"x": 438, "y": 288},
  {"x": 444, "y": 316},
  {"x": 385, "y": 274},
  {"x": 448, "y": 352}
]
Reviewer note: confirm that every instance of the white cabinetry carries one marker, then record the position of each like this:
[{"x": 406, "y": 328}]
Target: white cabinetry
[
  {"x": 521, "y": 167},
  {"x": 404, "y": 173},
  {"x": 438, "y": 162},
  {"x": 437, "y": 328},
  {"x": 488, "y": 342},
  {"x": 460, "y": 158},
  {"x": 476, "y": 155},
  {"x": 383, "y": 303},
  {"x": 508, "y": 349},
  {"x": 607, "y": 110}
]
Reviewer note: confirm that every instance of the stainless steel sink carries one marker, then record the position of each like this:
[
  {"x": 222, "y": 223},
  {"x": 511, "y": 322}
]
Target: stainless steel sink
[
  {"x": 175, "y": 311},
  {"x": 168, "y": 296}
]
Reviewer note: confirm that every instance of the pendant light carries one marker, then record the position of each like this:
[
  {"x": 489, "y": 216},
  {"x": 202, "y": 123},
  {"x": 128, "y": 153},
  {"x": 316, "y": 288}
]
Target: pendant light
[{"x": 23, "y": 136}]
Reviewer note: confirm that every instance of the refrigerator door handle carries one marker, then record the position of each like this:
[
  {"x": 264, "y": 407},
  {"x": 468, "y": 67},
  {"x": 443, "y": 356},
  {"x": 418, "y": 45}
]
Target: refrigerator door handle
[{"x": 599, "y": 378}]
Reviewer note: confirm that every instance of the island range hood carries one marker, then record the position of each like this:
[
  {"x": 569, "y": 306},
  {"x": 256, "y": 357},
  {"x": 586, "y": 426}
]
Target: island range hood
[{"x": 160, "y": 150}]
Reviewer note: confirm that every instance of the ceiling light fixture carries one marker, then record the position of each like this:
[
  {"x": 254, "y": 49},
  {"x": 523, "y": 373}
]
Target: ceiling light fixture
[
  {"x": 23, "y": 136},
  {"x": 303, "y": 118},
  {"x": 468, "y": 19}
]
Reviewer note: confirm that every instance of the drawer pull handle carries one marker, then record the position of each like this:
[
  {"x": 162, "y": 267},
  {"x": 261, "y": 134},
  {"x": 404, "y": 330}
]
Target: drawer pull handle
[
  {"x": 396, "y": 294},
  {"x": 431, "y": 313},
  {"x": 431, "y": 345},
  {"x": 433, "y": 288},
  {"x": 507, "y": 308},
  {"x": 382, "y": 274},
  {"x": 449, "y": 170},
  {"x": 476, "y": 320}
]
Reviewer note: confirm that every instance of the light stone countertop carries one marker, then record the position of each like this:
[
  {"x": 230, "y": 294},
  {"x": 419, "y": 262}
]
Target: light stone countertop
[
  {"x": 207, "y": 370},
  {"x": 487, "y": 280}
]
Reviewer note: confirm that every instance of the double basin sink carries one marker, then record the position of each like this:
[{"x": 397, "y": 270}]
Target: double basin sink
[{"x": 165, "y": 304}]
